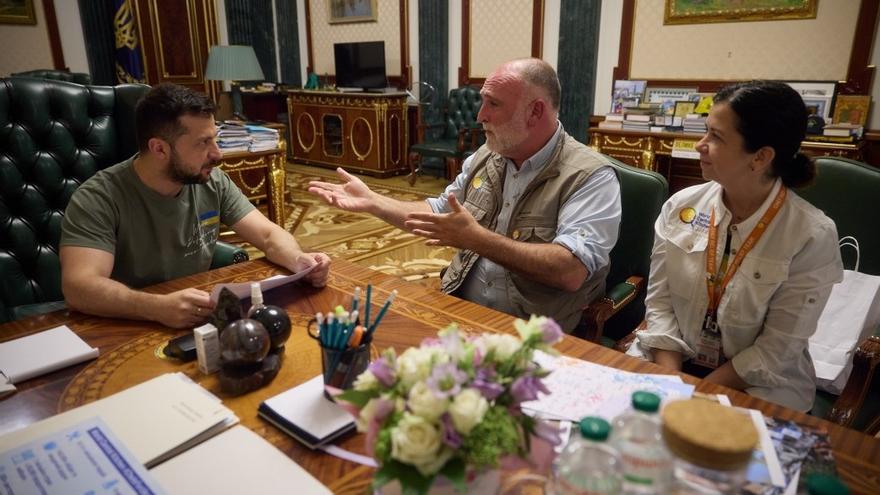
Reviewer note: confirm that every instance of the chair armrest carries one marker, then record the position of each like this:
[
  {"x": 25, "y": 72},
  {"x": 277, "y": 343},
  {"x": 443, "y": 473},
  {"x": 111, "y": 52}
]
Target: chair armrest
[
  {"x": 598, "y": 312},
  {"x": 226, "y": 254},
  {"x": 847, "y": 405}
]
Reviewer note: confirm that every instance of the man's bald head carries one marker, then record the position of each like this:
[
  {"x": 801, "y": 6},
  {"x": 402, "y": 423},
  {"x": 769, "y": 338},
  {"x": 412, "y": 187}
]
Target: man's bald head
[{"x": 538, "y": 75}]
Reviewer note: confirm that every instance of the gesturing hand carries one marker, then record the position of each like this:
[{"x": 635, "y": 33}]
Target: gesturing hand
[
  {"x": 458, "y": 228},
  {"x": 185, "y": 308},
  {"x": 351, "y": 195}
]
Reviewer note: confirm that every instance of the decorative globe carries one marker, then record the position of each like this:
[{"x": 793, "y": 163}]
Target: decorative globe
[
  {"x": 244, "y": 342},
  {"x": 276, "y": 322}
]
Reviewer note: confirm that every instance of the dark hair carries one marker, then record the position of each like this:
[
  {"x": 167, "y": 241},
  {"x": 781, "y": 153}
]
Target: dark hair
[
  {"x": 159, "y": 111},
  {"x": 771, "y": 113}
]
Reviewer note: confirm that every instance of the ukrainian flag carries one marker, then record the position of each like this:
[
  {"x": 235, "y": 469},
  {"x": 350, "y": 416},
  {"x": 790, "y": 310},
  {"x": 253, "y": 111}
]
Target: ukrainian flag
[
  {"x": 209, "y": 218},
  {"x": 129, "y": 68}
]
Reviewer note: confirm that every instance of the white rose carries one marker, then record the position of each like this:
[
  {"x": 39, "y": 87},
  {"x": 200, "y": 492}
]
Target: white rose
[
  {"x": 417, "y": 442},
  {"x": 366, "y": 381},
  {"x": 424, "y": 403},
  {"x": 415, "y": 364},
  {"x": 366, "y": 415},
  {"x": 468, "y": 409},
  {"x": 503, "y": 344}
]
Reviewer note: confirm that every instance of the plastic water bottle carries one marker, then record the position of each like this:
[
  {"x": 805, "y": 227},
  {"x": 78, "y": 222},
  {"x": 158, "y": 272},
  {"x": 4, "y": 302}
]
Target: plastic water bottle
[
  {"x": 588, "y": 465},
  {"x": 646, "y": 463}
]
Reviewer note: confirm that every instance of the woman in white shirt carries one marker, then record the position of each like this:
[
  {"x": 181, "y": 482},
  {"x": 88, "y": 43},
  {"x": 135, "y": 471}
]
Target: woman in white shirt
[{"x": 741, "y": 266}]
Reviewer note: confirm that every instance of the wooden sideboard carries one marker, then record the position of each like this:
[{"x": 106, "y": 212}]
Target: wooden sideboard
[
  {"x": 363, "y": 132},
  {"x": 260, "y": 176},
  {"x": 653, "y": 151}
]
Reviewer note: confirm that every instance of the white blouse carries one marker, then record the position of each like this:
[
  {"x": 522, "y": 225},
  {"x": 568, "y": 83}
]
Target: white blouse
[{"x": 771, "y": 305}]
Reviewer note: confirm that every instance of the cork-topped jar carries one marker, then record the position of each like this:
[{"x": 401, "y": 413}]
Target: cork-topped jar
[{"x": 712, "y": 445}]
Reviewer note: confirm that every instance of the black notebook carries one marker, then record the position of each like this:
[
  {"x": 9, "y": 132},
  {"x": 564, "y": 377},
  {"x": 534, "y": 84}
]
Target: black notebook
[{"x": 305, "y": 414}]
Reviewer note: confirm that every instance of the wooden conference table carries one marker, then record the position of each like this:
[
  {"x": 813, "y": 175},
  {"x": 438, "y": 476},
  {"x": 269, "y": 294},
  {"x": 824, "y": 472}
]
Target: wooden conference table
[{"x": 130, "y": 354}]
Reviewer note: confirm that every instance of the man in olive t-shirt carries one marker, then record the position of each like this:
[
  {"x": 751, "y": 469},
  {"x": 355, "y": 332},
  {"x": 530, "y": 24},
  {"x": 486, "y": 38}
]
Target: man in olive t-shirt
[{"x": 157, "y": 215}]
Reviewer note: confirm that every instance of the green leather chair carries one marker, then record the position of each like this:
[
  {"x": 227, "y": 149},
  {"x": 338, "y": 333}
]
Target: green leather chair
[
  {"x": 53, "y": 136},
  {"x": 453, "y": 137},
  {"x": 642, "y": 194},
  {"x": 57, "y": 75},
  {"x": 847, "y": 191}
]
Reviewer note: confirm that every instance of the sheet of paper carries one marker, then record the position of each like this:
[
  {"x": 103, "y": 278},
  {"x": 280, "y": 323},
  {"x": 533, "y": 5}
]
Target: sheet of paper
[
  {"x": 156, "y": 419},
  {"x": 86, "y": 457},
  {"x": 581, "y": 388},
  {"x": 234, "y": 462},
  {"x": 43, "y": 352},
  {"x": 243, "y": 289}
]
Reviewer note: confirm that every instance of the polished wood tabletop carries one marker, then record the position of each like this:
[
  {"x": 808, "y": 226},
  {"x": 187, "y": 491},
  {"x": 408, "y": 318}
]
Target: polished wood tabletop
[{"x": 129, "y": 355}]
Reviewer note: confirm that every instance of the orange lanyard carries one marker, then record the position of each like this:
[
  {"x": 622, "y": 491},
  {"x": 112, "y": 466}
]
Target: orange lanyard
[{"x": 751, "y": 240}]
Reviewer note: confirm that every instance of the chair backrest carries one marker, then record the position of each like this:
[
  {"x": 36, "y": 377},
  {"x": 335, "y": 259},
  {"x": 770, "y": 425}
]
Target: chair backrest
[
  {"x": 58, "y": 75},
  {"x": 847, "y": 191},
  {"x": 642, "y": 194},
  {"x": 462, "y": 109},
  {"x": 53, "y": 136}
]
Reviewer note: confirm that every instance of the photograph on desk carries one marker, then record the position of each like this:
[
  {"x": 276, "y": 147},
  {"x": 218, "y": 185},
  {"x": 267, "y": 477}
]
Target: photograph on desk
[{"x": 626, "y": 94}]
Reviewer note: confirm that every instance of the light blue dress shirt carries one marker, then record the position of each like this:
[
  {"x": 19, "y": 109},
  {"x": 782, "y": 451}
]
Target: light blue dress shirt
[{"x": 588, "y": 223}]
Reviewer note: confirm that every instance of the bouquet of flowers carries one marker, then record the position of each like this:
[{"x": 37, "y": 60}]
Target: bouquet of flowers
[{"x": 452, "y": 405}]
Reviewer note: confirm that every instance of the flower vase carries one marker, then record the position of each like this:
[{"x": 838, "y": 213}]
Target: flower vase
[{"x": 478, "y": 482}]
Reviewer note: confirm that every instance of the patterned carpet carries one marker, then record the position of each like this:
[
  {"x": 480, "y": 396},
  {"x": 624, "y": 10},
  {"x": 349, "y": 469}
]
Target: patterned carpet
[{"x": 358, "y": 237}]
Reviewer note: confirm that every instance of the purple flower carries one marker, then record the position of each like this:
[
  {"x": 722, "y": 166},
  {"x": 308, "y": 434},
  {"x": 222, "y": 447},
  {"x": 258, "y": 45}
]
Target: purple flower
[
  {"x": 446, "y": 380},
  {"x": 552, "y": 332},
  {"x": 526, "y": 388},
  {"x": 383, "y": 372},
  {"x": 484, "y": 382},
  {"x": 450, "y": 436},
  {"x": 547, "y": 432},
  {"x": 383, "y": 408}
]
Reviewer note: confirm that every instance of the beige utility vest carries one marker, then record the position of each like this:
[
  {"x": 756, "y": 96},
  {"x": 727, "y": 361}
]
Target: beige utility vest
[{"x": 534, "y": 219}]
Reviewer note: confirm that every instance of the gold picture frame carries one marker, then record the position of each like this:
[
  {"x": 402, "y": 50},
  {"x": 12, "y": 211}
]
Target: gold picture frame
[
  {"x": 703, "y": 11},
  {"x": 18, "y": 12},
  {"x": 852, "y": 109},
  {"x": 345, "y": 11}
]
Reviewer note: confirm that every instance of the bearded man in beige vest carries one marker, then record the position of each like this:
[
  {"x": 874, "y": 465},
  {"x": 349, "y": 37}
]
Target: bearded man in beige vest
[{"x": 534, "y": 213}]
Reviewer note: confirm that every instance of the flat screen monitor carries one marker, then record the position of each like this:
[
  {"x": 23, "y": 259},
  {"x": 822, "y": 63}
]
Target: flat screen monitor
[{"x": 360, "y": 65}]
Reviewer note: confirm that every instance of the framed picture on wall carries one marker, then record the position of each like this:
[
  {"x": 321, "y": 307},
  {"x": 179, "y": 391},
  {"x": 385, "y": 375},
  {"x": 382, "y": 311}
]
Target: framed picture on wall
[
  {"x": 17, "y": 12},
  {"x": 701, "y": 11},
  {"x": 342, "y": 11}
]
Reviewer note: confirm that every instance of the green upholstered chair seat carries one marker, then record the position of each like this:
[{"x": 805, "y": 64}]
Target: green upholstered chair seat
[
  {"x": 226, "y": 254},
  {"x": 439, "y": 148},
  {"x": 642, "y": 194}
]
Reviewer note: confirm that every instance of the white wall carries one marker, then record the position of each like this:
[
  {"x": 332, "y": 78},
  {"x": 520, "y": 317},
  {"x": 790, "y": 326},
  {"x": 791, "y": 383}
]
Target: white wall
[
  {"x": 73, "y": 44},
  {"x": 609, "y": 51}
]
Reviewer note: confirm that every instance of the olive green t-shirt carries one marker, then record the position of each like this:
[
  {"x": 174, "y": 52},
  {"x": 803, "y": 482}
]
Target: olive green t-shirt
[{"x": 153, "y": 238}]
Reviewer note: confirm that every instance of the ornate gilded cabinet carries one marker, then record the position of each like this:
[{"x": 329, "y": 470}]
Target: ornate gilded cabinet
[{"x": 357, "y": 131}]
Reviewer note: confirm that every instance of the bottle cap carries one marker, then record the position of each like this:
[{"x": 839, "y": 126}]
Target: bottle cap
[
  {"x": 256, "y": 294},
  {"x": 708, "y": 434},
  {"x": 645, "y": 401},
  {"x": 594, "y": 428},
  {"x": 825, "y": 484}
]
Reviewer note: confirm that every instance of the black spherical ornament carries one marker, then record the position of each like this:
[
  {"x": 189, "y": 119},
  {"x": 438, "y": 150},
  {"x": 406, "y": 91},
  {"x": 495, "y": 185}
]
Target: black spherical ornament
[
  {"x": 243, "y": 342},
  {"x": 276, "y": 322}
]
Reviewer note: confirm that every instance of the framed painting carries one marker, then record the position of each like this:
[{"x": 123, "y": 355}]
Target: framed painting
[
  {"x": 342, "y": 11},
  {"x": 683, "y": 108},
  {"x": 818, "y": 96},
  {"x": 17, "y": 12},
  {"x": 706, "y": 11},
  {"x": 852, "y": 109}
]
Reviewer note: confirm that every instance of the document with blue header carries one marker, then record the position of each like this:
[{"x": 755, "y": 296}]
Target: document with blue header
[{"x": 83, "y": 458}]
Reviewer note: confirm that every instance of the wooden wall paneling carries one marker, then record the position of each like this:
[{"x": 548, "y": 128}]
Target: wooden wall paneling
[
  {"x": 176, "y": 37},
  {"x": 402, "y": 81},
  {"x": 54, "y": 35},
  {"x": 464, "y": 72},
  {"x": 859, "y": 74}
]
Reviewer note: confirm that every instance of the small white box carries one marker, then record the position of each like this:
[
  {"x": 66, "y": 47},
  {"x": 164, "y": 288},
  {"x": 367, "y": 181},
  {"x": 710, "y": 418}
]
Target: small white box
[{"x": 207, "y": 348}]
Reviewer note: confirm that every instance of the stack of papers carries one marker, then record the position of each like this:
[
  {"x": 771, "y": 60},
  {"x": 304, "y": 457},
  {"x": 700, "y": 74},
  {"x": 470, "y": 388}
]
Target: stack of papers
[
  {"x": 579, "y": 388},
  {"x": 233, "y": 137},
  {"x": 156, "y": 419},
  {"x": 43, "y": 352},
  {"x": 262, "y": 138}
]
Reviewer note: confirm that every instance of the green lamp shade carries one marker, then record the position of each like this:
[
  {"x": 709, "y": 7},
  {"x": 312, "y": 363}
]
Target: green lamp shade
[{"x": 233, "y": 63}]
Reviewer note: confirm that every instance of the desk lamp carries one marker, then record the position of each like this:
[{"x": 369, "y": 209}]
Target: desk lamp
[{"x": 233, "y": 63}]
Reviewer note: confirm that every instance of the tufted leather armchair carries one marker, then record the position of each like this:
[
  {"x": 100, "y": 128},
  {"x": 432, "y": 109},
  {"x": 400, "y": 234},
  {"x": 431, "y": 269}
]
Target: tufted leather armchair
[
  {"x": 58, "y": 75},
  {"x": 458, "y": 133},
  {"x": 53, "y": 136}
]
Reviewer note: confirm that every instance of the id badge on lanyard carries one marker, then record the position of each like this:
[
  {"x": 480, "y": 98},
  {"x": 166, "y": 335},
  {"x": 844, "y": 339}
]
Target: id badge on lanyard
[{"x": 709, "y": 349}]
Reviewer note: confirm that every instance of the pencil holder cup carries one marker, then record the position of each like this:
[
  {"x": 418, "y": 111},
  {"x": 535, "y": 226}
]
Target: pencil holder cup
[{"x": 341, "y": 368}]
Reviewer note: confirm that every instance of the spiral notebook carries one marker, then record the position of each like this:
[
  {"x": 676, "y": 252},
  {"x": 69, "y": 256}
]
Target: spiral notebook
[{"x": 305, "y": 414}]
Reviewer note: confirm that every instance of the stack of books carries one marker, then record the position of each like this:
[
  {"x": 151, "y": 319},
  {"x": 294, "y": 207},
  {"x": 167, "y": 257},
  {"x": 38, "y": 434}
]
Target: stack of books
[
  {"x": 262, "y": 138},
  {"x": 233, "y": 137},
  {"x": 694, "y": 123},
  {"x": 612, "y": 121},
  {"x": 843, "y": 129}
]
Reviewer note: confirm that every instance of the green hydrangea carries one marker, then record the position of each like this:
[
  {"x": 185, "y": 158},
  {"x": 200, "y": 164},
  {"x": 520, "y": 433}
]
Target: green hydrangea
[{"x": 496, "y": 436}]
